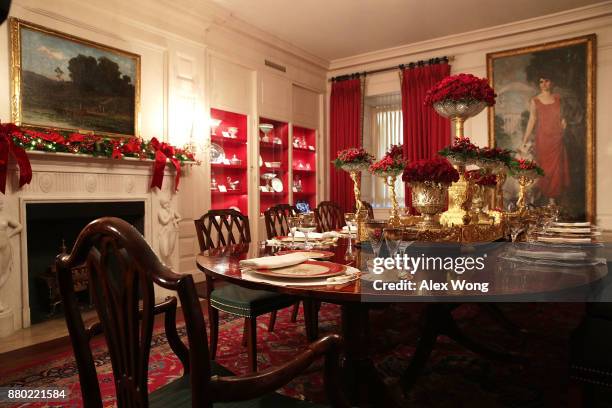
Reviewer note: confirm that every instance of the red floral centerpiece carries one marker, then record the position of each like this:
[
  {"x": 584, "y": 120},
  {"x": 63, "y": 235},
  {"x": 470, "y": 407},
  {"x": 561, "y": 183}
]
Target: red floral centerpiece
[
  {"x": 353, "y": 159},
  {"x": 459, "y": 97},
  {"x": 429, "y": 180},
  {"x": 461, "y": 152},
  {"x": 392, "y": 163},
  {"x": 480, "y": 178},
  {"x": 525, "y": 167}
]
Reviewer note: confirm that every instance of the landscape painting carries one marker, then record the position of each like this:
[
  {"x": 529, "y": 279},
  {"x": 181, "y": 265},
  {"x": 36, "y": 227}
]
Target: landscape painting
[
  {"x": 67, "y": 83},
  {"x": 545, "y": 112}
]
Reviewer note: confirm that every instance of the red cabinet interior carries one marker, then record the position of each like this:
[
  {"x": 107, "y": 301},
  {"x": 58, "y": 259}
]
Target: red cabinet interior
[
  {"x": 274, "y": 153},
  {"x": 231, "y": 137},
  {"x": 304, "y": 166}
]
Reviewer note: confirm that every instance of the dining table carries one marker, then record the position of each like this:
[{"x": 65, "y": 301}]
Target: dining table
[{"x": 509, "y": 281}]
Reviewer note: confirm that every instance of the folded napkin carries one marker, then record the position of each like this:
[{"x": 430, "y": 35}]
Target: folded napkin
[
  {"x": 311, "y": 235},
  {"x": 273, "y": 262},
  {"x": 346, "y": 229}
]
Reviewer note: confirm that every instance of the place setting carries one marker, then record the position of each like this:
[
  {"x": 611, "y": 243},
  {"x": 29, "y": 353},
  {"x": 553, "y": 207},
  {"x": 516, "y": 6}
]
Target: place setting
[{"x": 297, "y": 268}]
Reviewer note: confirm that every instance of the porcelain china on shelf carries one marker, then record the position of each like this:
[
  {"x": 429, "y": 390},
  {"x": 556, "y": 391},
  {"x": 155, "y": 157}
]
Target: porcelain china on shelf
[{"x": 217, "y": 154}]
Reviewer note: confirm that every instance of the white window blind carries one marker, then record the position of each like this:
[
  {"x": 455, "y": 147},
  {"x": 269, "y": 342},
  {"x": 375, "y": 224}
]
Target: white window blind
[{"x": 385, "y": 129}]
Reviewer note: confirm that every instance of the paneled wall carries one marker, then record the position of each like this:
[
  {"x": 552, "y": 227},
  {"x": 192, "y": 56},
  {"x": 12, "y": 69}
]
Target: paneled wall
[
  {"x": 469, "y": 51},
  {"x": 194, "y": 56}
]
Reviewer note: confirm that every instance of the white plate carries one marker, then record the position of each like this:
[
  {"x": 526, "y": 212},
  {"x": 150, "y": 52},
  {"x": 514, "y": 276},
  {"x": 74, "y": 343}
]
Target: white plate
[
  {"x": 260, "y": 161},
  {"x": 277, "y": 185},
  {"x": 217, "y": 154}
]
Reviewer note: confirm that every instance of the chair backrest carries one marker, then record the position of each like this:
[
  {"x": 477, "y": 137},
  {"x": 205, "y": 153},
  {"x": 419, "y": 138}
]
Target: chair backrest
[
  {"x": 329, "y": 216},
  {"x": 122, "y": 269},
  {"x": 219, "y": 228},
  {"x": 275, "y": 219},
  {"x": 368, "y": 207}
]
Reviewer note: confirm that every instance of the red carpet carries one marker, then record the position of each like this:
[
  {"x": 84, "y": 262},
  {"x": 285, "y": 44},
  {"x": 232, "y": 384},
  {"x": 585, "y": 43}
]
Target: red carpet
[{"x": 454, "y": 377}]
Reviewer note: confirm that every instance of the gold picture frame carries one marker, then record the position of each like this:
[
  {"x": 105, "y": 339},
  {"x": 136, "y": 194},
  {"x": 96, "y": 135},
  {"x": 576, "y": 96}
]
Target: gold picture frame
[
  {"x": 67, "y": 83},
  {"x": 545, "y": 110}
]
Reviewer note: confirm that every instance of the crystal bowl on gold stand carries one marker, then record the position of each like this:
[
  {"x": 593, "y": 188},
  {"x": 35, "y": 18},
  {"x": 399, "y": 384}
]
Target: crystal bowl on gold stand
[{"x": 458, "y": 111}]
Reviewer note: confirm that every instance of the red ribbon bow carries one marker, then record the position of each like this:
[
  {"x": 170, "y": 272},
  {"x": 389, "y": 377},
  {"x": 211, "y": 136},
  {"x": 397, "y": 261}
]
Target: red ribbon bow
[
  {"x": 164, "y": 151},
  {"x": 8, "y": 146}
]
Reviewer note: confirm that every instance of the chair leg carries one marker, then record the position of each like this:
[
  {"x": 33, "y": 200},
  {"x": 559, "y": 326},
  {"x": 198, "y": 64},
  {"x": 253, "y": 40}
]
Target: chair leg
[
  {"x": 294, "y": 314},
  {"x": 272, "y": 321},
  {"x": 213, "y": 318},
  {"x": 311, "y": 320},
  {"x": 245, "y": 332},
  {"x": 251, "y": 325}
]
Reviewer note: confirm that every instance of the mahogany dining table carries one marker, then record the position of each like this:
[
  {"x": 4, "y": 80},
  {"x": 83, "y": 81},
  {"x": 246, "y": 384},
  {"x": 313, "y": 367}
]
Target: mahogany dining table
[{"x": 508, "y": 283}]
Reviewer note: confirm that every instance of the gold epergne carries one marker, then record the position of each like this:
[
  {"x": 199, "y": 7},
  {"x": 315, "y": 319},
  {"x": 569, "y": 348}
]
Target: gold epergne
[
  {"x": 460, "y": 192},
  {"x": 361, "y": 212}
]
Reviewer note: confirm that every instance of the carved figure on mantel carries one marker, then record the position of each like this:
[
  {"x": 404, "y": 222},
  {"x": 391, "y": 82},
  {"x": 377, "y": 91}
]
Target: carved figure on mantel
[
  {"x": 168, "y": 233},
  {"x": 8, "y": 229}
]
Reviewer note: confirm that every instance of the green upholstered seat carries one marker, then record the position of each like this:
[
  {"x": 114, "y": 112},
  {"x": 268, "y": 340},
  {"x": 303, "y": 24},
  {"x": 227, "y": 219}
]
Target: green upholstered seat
[
  {"x": 178, "y": 394},
  {"x": 248, "y": 302}
]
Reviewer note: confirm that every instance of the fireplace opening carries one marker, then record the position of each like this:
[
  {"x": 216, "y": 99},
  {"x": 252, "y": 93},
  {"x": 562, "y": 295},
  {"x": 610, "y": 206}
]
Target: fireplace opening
[{"x": 49, "y": 227}]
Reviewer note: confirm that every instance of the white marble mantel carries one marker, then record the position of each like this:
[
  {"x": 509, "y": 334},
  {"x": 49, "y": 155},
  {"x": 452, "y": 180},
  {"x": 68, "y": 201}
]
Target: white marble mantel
[{"x": 61, "y": 177}]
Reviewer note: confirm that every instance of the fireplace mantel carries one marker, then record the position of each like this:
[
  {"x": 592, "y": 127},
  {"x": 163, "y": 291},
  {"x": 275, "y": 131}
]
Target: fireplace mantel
[{"x": 63, "y": 177}]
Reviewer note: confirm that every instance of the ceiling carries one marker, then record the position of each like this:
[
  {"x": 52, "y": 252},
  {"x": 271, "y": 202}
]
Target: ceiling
[{"x": 333, "y": 29}]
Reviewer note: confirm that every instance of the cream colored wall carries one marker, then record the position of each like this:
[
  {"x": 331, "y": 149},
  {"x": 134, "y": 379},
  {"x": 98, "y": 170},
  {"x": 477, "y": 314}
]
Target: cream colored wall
[
  {"x": 470, "y": 51},
  {"x": 193, "y": 56}
]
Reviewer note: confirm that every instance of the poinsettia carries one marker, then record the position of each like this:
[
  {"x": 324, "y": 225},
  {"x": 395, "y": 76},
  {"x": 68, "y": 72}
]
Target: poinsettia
[
  {"x": 522, "y": 166},
  {"x": 353, "y": 156},
  {"x": 461, "y": 87},
  {"x": 462, "y": 149},
  {"x": 437, "y": 170},
  {"x": 393, "y": 162}
]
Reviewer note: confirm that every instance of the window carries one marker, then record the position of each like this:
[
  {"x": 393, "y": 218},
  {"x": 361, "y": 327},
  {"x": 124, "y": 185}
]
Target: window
[{"x": 382, "y": 128}]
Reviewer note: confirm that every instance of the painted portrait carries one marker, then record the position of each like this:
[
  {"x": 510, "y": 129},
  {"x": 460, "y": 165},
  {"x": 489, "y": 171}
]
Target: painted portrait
[
  {"x": 67, "y": 83},
  {"x": 545, "y": 112}
]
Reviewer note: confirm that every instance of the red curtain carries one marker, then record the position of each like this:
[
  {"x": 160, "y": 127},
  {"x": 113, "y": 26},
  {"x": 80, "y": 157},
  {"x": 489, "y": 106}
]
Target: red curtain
[
  {"x": 425, "y": 132},
  {"x": 345, "y": 132}
]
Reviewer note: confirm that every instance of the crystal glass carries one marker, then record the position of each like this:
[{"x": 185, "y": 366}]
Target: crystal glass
[
  {"x": 515, "y": 225},
  {"x": 293, "y": 224},
  {"x": 307, "y": 225},
  {"x": 350, "y": 219},
  {"x": 393, "y": 238},
  {"x": 375, "y": 234}
]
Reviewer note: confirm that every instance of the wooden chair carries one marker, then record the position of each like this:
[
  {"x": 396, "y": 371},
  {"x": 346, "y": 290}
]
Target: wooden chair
[
  {"x": 225, "y": 228},
  {"x": 368, "y": 207},
  {"x": 123, "y": 269},
  {"x": 329, "y": 216},
  {"x": 275, "y": 219}
]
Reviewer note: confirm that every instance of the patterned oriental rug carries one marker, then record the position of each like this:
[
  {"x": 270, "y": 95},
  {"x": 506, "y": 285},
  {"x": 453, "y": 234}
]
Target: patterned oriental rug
[{"x": 454, "y": 377}]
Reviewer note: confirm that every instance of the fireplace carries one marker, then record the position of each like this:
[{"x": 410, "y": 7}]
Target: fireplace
[{"x": 51, "y": 225}]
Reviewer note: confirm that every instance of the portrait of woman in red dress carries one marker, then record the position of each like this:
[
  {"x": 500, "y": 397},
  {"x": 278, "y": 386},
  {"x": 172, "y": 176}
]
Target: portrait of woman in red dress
[{"x": 550, "y": 147}]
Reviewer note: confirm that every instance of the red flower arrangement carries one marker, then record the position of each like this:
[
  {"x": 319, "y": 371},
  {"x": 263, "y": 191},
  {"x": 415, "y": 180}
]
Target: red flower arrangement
[
  {"x": 353, "y": 157},
  {"x": 28, "y": 139},
  {"x": 393, "y": 162},
  {"x": 461, "y": 150},
  {"x": 437, "y": 170},
  {"x": 494, "y": 154},
  {"x": 524, "y": 166},
  {"x": 460, "y": 87},
  {"x": 480, "y": 178}
]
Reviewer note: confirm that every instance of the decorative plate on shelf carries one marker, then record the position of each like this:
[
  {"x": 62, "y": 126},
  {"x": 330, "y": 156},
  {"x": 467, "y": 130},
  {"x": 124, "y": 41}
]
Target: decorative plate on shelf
[
  {"x": 260, "y": 161},
  {"x": 277, "y": 185},
  {"x": 217, "y": 154},
  {"x": 305, "y": 270}
]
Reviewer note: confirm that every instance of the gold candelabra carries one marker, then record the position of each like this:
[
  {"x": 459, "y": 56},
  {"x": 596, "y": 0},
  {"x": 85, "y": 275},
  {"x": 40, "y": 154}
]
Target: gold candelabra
[
  {"x": 361, "y": 212},
  {"x": 394, "y": 219}
]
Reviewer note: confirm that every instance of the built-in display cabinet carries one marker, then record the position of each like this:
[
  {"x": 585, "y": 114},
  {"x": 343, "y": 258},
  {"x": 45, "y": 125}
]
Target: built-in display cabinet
[
  {"x": 228, "y": 160},
  {"x": 304, "y": 167},
  {"x": 273, "y": 163}
]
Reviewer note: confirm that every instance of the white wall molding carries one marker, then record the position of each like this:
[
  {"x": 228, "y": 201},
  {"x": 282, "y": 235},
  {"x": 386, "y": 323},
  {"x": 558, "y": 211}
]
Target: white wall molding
[{"x": 564, "y": 18}]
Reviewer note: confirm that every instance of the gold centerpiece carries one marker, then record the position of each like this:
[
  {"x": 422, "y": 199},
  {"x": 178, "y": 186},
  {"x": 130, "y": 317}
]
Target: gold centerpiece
[
  {"x": 354, "y": 161},
  {"x": 526, "y": 172},
  {"x": 429, "y": 199},
  {"x": 458, "y": 98},
  {"x": 390, "y": 166},
  {"x": 429, "y": 180}
]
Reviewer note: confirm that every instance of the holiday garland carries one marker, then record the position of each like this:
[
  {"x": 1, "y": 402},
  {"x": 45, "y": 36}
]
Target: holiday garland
[{"x": 17, "y": 140}]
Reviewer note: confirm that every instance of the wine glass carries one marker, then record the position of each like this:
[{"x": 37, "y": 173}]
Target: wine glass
[
  {"x": 516, "y": 227},
  {"x": 307, "y": 225},
  {"x": 350, "y": 219},
  {"x": 375, "y": 234},
  {"x": 293, "y": 224},
  {"x": 393, "y": 237}
]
